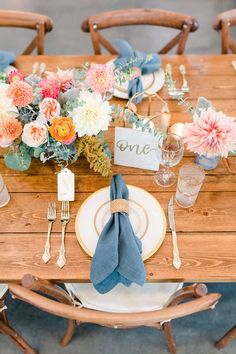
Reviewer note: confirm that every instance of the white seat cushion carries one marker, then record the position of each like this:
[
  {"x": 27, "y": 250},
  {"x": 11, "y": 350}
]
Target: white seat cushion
[{"x": 150, "y": 297}]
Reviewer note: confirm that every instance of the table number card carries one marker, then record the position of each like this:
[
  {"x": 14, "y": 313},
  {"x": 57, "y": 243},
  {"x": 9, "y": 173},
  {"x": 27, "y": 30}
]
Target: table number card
[
  {"x": 135, "y": 148},
  {"x": 66, "y": 185}
]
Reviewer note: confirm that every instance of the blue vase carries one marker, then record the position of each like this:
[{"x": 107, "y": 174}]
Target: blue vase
[{"x": 208, "y": 163}]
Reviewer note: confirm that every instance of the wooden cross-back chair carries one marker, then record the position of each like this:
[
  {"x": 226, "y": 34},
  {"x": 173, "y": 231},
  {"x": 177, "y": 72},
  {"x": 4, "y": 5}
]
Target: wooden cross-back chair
[
  {"x": 222, "y": 23},
  {"x": 29, "y": 20},
  {"x": 127, "y": 17},
  {"x": 159, "y": 319}
]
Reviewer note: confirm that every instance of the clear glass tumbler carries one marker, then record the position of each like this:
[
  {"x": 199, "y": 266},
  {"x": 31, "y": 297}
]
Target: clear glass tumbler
[
  {"x": 189, "y": 183},
  {"x": 4, "y": 195}
]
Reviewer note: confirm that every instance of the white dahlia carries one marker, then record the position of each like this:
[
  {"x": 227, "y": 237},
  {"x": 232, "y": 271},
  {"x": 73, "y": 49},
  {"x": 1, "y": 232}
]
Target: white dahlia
[
  {"x": 6, "y": 105},
  {"x": 93, "y": 116}
]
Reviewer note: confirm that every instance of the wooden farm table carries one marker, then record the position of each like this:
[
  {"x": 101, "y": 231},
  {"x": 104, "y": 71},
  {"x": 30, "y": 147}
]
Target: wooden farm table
[{"x": 206, "y": 232}]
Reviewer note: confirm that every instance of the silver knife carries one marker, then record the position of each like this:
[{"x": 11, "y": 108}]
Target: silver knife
[{"x": 171, "y": 217}]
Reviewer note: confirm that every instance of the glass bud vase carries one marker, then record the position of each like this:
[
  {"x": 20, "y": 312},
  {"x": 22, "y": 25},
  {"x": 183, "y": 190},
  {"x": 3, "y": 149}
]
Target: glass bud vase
[{"x": 208, "y": 163}]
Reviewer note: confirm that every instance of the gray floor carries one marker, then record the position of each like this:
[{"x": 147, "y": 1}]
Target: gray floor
[{"x": 195, "y": 334}]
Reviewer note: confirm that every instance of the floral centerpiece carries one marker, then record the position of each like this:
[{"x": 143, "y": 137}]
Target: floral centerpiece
[{"x": 60, "y": 116}]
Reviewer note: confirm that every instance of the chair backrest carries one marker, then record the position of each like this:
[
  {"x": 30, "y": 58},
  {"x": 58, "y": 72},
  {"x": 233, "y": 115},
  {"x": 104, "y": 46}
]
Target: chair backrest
[
  {"x": 222, "y": 23},
  {"x": 128, "y": 17},
  {"x": 67, "y": 310},
  {"x": 29, "y": 20}
]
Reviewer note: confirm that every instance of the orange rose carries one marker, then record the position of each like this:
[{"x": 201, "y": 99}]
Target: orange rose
[{"x": 63, "y": 130}]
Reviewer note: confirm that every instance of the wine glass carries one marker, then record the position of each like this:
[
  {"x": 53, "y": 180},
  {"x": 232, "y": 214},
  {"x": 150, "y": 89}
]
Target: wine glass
[{"x": 172, "y": 149}]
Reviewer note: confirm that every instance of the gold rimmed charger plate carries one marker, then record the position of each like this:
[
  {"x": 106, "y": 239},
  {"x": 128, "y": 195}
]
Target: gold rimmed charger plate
[{"x": 146, "y": 216}]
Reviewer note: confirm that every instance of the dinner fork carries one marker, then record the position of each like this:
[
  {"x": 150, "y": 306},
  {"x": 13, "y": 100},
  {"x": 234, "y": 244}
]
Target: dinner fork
[
  {"x": 65, "y": 218},
  {"x": 185, "y": 87},
  {"x": 51, "y": 216}
]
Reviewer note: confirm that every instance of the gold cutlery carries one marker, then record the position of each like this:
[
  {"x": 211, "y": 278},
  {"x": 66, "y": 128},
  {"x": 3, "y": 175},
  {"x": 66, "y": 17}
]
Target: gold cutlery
[
  {"x": 51, "y": 216},
  {"x": 234, "y": 64},
  {"x": 185, "y": 87},
  {"x": 171, "y": 217},
  {"x": 65, "y": 218}
]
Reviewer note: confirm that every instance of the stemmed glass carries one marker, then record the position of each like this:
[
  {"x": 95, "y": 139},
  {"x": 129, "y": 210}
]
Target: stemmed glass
[{"x": 172, "y": 150}]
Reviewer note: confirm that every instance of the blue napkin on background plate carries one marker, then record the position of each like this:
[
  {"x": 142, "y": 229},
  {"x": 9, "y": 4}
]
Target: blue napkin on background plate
[
  {"x": 148, "y": 63},
  {"x": 117, "y": 258},
  {"x": 6, "y": 58}
]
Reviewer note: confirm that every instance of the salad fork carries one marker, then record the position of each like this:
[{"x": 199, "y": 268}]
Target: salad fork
[
  {"x": 65, "y": 218},
  {"x": 51, "y": 216}
]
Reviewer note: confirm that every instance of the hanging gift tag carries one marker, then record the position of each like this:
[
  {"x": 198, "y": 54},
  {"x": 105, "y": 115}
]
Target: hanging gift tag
[{"x": 66, "y": 185}]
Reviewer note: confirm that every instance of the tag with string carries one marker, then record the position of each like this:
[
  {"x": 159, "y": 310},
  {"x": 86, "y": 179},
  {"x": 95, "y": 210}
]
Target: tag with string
[{"x": 66, "y": 185}]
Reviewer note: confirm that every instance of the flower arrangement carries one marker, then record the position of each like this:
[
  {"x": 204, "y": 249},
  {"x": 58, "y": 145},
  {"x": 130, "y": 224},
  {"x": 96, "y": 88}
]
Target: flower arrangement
[
  {"x": 60, "y": 116},
  {"x": 210, "y": 134}
]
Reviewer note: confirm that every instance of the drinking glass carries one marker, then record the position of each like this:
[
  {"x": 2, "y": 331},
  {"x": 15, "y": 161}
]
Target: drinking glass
[
  {"x": 4, "y": 195},
  {"x": 172, "y": 150},
  {"x": 190, "y": 180}
]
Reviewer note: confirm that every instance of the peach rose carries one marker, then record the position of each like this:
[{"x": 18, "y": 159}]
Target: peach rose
[
  {"x": 49, "y": 108},
  {"x": 10, "y": 129},
  {"x": 34, "y": 134},
  {"x": 63, "y": 130}
]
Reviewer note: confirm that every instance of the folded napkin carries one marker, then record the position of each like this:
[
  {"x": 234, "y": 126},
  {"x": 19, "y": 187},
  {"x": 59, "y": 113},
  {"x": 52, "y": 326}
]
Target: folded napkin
[
  {"x": 6, "y": 58},
  {"x": 117, "y": 258},
  {"x": 147, "y": 63}
]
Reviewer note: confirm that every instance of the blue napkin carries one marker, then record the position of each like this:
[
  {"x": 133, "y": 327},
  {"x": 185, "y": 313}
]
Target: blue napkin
[
  {"x": 148, "y": 63},
  {"x": 6, "y": 58},
  {"x": 117, "y": 258}
]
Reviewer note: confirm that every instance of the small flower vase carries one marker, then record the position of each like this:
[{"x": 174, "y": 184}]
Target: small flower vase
[{"x": 208, "y": 163}]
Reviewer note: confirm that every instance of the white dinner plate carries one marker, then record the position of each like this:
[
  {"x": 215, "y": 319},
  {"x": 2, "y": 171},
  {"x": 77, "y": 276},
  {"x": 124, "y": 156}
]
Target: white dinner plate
[
  {"x": 9, "y": 68},
  {"x": 146, "y": 216},
  {"x": 152, "y": 83}
]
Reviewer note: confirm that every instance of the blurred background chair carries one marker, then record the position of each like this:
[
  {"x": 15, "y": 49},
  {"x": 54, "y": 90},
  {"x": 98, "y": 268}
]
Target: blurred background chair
[
  {"x": 166, "y": 300},
  {"x": 222, "y": 23},
  {"x": 128, "y": 17},
  {"x": 5, "y": 327},
  {"x": 29, "y": 20}
]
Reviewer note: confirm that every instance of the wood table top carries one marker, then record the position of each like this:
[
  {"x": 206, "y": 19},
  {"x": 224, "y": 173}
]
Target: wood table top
[{"x": 206, "y": 232}]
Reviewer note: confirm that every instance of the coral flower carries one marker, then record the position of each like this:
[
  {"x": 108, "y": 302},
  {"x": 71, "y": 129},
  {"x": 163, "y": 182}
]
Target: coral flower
[
  {"x": 63, "y": 130},
  {"x": 49, "y": 108},
  {"x": 49, "y": 88},
  {"x": 10, "y": 129},
  {"x": 211, "y": 134},
  {"x": 21, "y": 93},
  {"x": 100, "y": 78},
  {"x": 15, "y": 75}
]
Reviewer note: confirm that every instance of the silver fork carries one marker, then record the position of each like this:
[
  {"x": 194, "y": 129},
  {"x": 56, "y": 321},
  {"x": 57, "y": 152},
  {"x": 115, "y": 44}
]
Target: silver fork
[
  {"x": 65, "y": 218},
  {"x": 185, "y": 87},
  {"x": 51, "y": 216}
]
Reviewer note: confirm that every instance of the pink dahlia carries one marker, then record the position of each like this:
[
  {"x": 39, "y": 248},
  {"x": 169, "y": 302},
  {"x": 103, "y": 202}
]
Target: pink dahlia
[
  {"x": 49, "y": 88},
  {"x": 10, "y": 129},
  {"x": 15, "y": 75},
  {"x": 21, "y": 93},
  {"x": 211, "y": 134},
  {"x": 63, "y": 77},
  {"x": 100, "y": 78}
]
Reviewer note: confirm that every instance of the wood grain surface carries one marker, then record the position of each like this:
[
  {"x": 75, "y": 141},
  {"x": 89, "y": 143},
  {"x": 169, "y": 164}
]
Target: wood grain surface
[{"x": 206, "y": 232}]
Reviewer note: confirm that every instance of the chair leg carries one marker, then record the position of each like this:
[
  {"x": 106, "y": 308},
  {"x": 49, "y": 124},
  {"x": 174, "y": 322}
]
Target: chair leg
[
  {"x": 69, "y": 333},
  {"x": 227, "y": 338},
  {"x": 170, "y": 340},
  {"x": 19, "y": 341}
]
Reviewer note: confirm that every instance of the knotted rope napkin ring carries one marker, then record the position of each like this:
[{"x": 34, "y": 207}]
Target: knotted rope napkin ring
[{"x": 119, "y": 206}]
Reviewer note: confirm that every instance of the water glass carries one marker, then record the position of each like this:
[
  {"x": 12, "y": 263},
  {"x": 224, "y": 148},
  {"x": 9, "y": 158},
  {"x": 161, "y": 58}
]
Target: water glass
[
  {"x": 4, "y": 195},
  {"x": 190, "y": 180}
]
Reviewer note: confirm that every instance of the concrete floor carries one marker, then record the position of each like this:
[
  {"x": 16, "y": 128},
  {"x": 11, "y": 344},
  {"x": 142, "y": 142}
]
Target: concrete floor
[{"x": 195, "y": 334}]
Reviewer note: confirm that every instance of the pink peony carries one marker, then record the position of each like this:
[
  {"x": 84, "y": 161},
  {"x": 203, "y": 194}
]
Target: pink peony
[
  {"x": 100, "y": 78},
  {"x": 49, "y": 88},
  {"x": 10, "y": 129},
  {"x": 63, "y": 77},
  {"x": 21, "y": 93},
  {"x": 49, "y": 108},
  {"x": 34, "y": 134},
  {"x": 211, "y": 134}
]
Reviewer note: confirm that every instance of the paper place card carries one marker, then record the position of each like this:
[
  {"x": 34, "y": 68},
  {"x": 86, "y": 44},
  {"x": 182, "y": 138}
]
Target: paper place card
[
  {"x": 66, "y": 185},
  {"x": 135, "y": 148}
]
